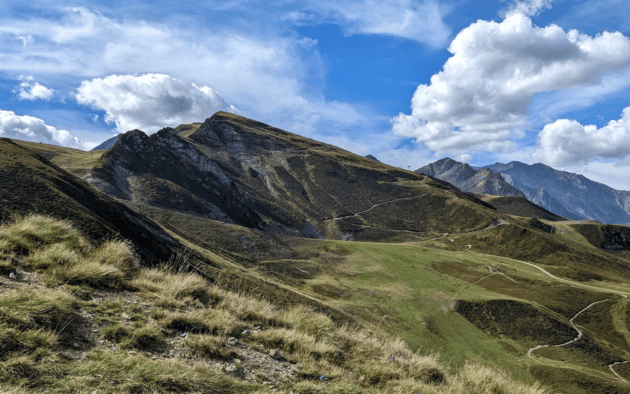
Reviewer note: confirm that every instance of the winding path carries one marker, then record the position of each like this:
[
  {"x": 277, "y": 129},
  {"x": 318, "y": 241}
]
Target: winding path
[
  {"x": 375, "y": 206},
  {"x": 579, "y": 336},
  {"x": 576, "y": 284}
]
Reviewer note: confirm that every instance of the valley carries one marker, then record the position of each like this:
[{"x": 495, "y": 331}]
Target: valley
[{"x": 469, "y": 279}]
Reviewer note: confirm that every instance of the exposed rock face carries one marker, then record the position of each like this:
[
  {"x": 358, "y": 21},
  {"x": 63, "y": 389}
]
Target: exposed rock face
[
  {"x": 240, "y": 171},
  {"x": 467, "y": 179},
  {"x": 570, "y": 195}
]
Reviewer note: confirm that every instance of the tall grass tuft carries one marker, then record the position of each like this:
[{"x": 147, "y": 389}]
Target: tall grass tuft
[{"x": 28, "y": 233}]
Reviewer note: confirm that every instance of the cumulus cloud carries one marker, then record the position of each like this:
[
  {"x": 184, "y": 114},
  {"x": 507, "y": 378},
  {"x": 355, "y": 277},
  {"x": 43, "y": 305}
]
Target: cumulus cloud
[
  {"x": 566, "y": 142},
  {"x": 419, "y": 21},
  {"x": 274, "y": 77},
  {"x": 29, "y": 90},
  {"x": 29, "y": 128},
  {"x": 479, "y": 101},
  {"x": 150, "y": 101}
]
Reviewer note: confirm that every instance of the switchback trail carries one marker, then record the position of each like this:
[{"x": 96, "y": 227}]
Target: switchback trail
[
  {"x": 579, "y": 336},
  {"x": 576, "y": 284}
]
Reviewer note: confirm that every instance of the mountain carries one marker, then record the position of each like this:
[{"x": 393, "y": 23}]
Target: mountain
[
  {"x": 239, "y": 171},
  {"x": 570, "y": 195},
  {"x": 468, "y": 179}
]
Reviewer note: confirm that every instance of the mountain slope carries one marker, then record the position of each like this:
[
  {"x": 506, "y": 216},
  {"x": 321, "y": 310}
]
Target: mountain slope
[
  {"x": 30, "y": 183},
  {"x": 244, "y": 172},
  {"x": 567, "y": 194},
  {"x": 468, "y": 179}
]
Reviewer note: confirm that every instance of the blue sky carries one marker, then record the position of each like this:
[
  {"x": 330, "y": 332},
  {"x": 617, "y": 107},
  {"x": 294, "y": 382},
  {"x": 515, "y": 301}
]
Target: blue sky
[{"x": 409, "y": 81}]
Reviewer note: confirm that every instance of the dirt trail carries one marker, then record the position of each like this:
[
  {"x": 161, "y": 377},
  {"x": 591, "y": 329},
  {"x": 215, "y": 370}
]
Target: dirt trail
[
  {"x": 440, "y": 237},
  {"x": 377, "y": 205},
  {"x": 613, "y": 371},
  {"x": 567, "y": 281},
  {"x": 579, "y": 336},
  {"x": 576, "y": 284}
]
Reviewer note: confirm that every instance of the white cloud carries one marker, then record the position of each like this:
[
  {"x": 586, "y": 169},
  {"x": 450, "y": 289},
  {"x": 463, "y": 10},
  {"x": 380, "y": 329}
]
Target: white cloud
[
  {"x": 479, "y": 101},
  {"x": 272, "y": 77},
  {"x": 29, "y": 128},
  {"x": 531, "y": 7},
  {"x": 150, "y": 101},
  {"x": 29, "y": 90},
  {"x": 566, "y": 142},
  {"x": 419, "y": 21}
]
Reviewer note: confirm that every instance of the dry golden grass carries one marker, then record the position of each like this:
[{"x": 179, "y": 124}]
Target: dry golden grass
[
  {"x": 35, "y": 231},
  {"x": 480, "y": 379},
  {"x": 173, "y": 290}
]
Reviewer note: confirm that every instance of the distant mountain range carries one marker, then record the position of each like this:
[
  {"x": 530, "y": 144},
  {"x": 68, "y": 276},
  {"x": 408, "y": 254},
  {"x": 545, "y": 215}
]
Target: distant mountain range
[{"x": 566, "y": 194}]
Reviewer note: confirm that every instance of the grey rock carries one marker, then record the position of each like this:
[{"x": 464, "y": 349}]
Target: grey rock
[
  {"x": 232, "y": 341},
  {"x": 275, "y": 354}
]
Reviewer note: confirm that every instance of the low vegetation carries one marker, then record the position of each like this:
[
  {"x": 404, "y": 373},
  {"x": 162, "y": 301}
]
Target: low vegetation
[{"x": 77, "y": 318}]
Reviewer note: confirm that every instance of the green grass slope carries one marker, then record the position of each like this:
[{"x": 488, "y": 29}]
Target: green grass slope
[{"x": 467, "y": 306}]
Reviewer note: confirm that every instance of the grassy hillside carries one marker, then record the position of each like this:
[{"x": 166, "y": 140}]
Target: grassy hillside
[
  {"x": 75, "y": 161},
  {"x": 80, "y": 319},
  {"x": 471, "y": 306},
  {"x": 30, "y": 183},
  {"x": 519, "y": 206},
  {"x": 281, "y": 242}
]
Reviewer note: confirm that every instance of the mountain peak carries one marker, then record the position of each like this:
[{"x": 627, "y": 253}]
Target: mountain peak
[{"x": 468, "y": 179}]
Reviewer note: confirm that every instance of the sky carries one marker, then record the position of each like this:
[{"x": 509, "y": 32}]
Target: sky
[{"x": 408, "y": 81}]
